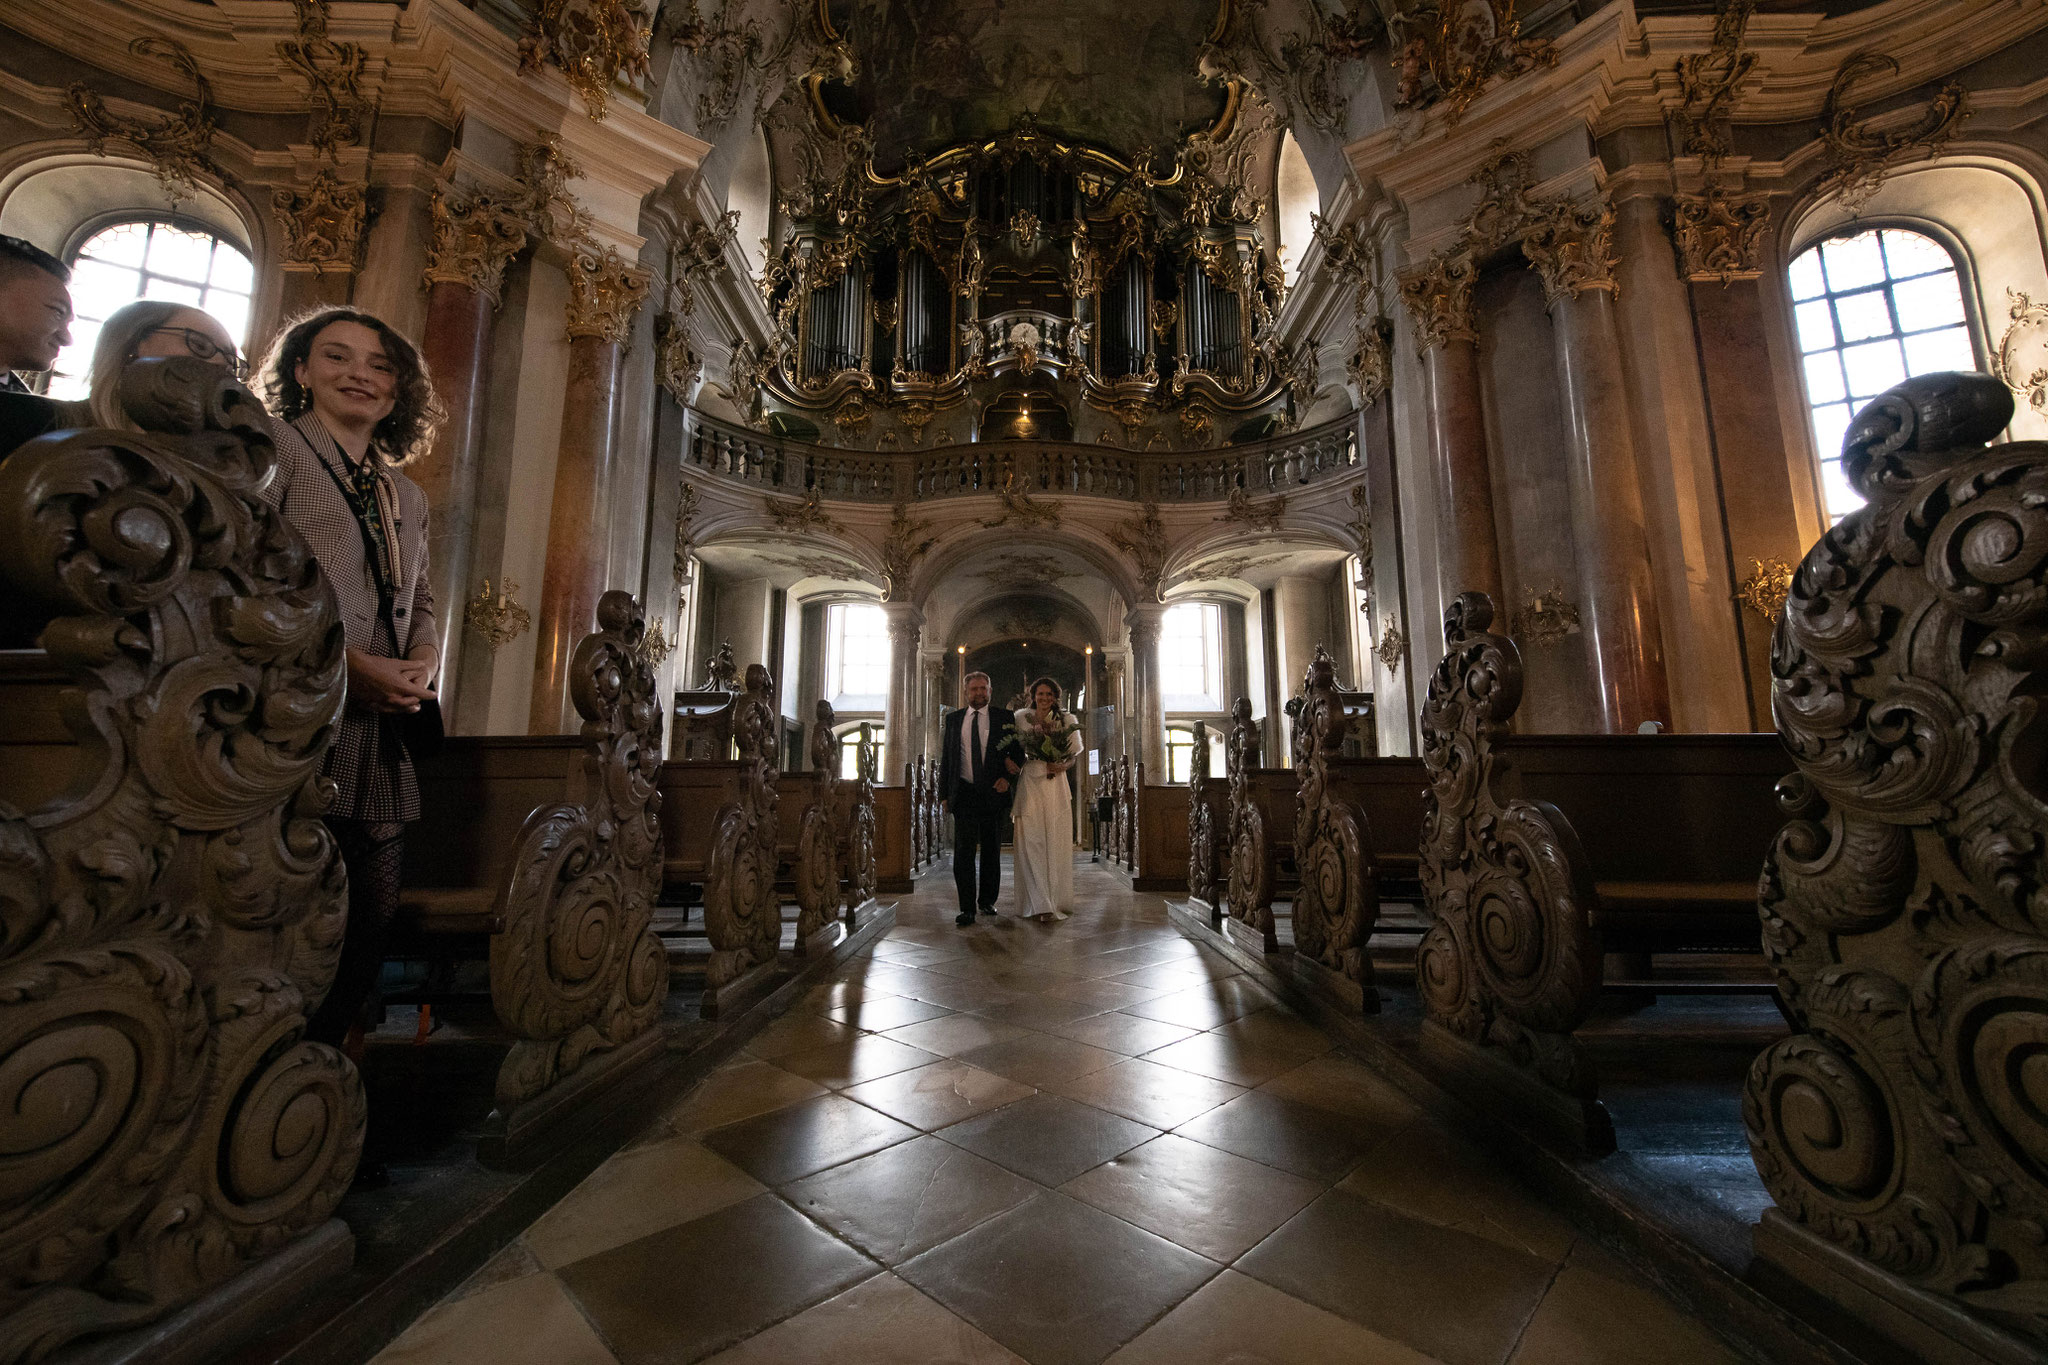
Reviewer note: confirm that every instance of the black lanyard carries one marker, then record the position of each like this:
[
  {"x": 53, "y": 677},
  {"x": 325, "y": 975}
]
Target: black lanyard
[{"x": 364, "y": 510}]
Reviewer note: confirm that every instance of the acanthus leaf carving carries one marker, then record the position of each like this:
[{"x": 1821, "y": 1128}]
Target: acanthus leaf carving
[
  {"x": 323, "y": 223},
  {"x": 1719, "y": 235},
  {"x": 1863, "y": 158},
  {"x": 177, "y": 148}
]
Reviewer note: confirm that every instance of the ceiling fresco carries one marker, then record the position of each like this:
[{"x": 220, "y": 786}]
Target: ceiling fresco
[{"x": 937, "y": 72}]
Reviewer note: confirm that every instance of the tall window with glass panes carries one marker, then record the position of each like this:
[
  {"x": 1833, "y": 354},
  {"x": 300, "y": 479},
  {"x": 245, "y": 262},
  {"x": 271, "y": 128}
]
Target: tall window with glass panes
[
  {"x": 150, "y": 259},
  {"x": 1872, "y": 309}
]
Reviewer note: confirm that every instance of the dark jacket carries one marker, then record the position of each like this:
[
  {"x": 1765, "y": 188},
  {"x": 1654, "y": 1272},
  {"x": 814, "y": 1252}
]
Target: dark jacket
[{"x": 1001, "y": 744}]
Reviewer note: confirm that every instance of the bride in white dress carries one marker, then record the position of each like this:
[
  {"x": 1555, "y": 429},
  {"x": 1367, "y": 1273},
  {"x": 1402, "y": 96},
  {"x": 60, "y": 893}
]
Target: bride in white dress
[{"x": 1043, "y": 815}]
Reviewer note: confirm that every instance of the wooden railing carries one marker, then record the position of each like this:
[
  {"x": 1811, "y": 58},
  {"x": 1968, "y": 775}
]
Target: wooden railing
[{"x": 796, "y": 467}]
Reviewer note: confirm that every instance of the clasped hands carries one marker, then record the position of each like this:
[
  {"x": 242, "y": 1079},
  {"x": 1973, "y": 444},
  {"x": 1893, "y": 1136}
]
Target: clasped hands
[{"x": 393, "y": 685}]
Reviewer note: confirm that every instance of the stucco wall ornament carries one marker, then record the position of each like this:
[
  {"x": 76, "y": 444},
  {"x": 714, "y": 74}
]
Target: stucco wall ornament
[
  {"x": 1439, "y": 299},
  {"x": 595, "y": 43},
  {"x": 176, "y": 147},
  {"x": 2022, "y": 358},
  {"x": 333, "y": 73},
  {"x": 476, "y": 235},
  {"x": 1143, "y": 538},
  {"x": 802, "y": 517},
  {"x": 604, "y": 294},
  {"x": 1863, "y": 157},
  {"x": 1707, "y": 82},
  {"x": 1360, "y": 527},
  {"x": 1262, "y": 516},
  {"x": 905, "y": 545},
  {"x": 1448, "y": 51},
  {"x": 1021, "y": 508},
  {"x": 687, "y": 505},
  {"x": 323, "y": 223},
  {"x": 1572, "y": 247},
  {"x": 1393, "y": 645},
  {"x": 1719, "y": 235},
  {"x": 697, "y": 253},
  {"x": 1764, "y": 591}
]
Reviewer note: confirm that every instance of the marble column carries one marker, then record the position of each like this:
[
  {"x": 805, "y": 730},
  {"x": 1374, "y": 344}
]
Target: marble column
[
  {"x": 604, "y": 294},
  {"x": 906, "y": 630},
  {"x": 1571, "y": 247},
  {"x": 1439, "y": 296},
  {"x": 473, "y": 243},
  {"x": 1148, "y": 708}
]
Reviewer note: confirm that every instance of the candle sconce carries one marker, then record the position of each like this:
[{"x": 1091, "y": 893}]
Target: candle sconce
[
  {"x": 1546, "y": 619},
  {"x": 655, "y": 646},
  {"x": 1765, "y": 590},
  {"x": 499, "y": 619}
]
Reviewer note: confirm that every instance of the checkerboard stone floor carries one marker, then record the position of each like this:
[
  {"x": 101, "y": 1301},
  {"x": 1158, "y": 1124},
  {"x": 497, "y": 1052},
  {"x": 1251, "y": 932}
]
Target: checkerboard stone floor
[{"x": 1061, "y": 1145}]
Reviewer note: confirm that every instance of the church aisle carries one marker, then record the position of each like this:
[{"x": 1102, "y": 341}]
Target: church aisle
[{"x": 1054, "y": 1144}]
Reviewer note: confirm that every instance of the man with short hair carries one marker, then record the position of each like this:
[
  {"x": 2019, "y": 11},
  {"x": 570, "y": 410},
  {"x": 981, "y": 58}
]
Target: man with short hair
[
  {"x": 35, "y": 310},
  {"x": 976, "y": 766}
]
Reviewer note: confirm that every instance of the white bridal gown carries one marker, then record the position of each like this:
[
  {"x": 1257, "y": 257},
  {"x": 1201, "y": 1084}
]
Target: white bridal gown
[{"x": 1042, "y": 818}]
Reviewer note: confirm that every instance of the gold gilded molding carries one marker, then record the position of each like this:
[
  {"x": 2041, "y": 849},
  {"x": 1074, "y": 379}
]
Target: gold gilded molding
[
  {"x": 1862, "y": 157},
  {"x": 596, "y": 43},
  {"x": 499, "y": 617},
  {"x": 1766, "y": 588},
  {"x": 475, "y": 238},
  {"x": 654, "y": 646},
  {"x": 604, "y": 294},
  {"x": 176, "y": 147},
  {"x": 333, "y": 73},
  {"x": 323, "y": 223},
  {"x": 1446, "y": 52},
  {"x": 1572, "y": 247},
  {"x": 1720, "y": 236},
  {"x": 1439, "y": 298},
  {"x": 2022, "y": 356},
  {"x": 1707, "y": 81},
  {"x": 1371, "y": 362}
]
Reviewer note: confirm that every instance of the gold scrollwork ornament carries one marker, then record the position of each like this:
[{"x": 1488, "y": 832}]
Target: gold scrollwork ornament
[
  {"x": 596, "y": 43},
  {"x": 498, "y": 617},
  {"x": 2022, "y": 358},
  {"x": 1766, "y": 588},
  {"x": 176, "y": 147}
]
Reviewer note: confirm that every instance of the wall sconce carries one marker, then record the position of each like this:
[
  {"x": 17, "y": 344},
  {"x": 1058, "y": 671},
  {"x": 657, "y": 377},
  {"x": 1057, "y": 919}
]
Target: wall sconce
[{"x": 498, "y": 619}]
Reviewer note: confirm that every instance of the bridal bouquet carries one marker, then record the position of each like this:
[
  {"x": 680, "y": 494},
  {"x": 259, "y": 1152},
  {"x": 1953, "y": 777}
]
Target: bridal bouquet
[{"x": 1052, "y": 741}]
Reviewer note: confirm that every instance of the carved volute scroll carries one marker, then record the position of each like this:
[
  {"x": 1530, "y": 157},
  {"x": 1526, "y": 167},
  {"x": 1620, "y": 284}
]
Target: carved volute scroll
[
  {"x": 1250, "y": 889},
  {"x": 857, "y": 840},
  {"x": 1201, "y": 823},
  {"x": 1905, "y": 904},
  {"x": 1338, "y": 901},
  {"x": 1511, "y": 962},
  {"x": 579, "y": 969},
  {"x": 742, "y": 913},
  {"x": 915, "y": 781},
  {"x": 817, "y": 850},
  {"x": 166, "y": 927}
]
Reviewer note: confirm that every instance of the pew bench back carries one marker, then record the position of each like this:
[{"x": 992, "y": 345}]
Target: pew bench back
[{"x": 475, "y": 796}]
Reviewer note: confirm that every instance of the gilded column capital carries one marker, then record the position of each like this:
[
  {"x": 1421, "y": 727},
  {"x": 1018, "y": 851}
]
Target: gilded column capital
[
  {"x": 475, "y": 238},
  {"x": 1439, "y": 297},
  {"x": 1720, "y": 236},
  {"x": 322, "y": 224},
  {"x": 1572, "y": 247},
  {"x": 604, "y": 294}
]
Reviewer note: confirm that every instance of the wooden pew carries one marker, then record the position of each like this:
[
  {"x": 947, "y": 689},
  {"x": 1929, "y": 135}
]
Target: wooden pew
[
  {"x": 173, "y": 902},
  {"x": 543, "y": 854},
  {"x": 1261, "y": 805},
  {"x": 1542, "y": 854},
  {"x": 1208, "y": 831}
]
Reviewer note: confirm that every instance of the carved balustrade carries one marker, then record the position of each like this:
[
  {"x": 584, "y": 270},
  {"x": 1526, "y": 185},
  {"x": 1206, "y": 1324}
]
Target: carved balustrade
[
  {"x": 167, "y": 924},
  {"x": 1029, "y": 467},
  {"x": 1905, "y": 904}
]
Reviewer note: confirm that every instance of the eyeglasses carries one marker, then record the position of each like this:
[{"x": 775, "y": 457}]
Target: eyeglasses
[{"x": 200, "y": 346}]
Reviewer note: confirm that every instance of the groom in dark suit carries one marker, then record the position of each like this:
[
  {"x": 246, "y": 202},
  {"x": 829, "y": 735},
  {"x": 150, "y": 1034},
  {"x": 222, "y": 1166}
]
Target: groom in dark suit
[{"x": 977, "y": 765}]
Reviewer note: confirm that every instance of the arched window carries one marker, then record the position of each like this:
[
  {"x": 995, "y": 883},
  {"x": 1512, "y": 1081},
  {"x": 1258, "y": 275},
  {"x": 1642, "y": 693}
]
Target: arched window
[
  {"x": 1180, "y": 753},
  {"x": 1872, "y": 309},
  {"x": 150, "y": 258}
]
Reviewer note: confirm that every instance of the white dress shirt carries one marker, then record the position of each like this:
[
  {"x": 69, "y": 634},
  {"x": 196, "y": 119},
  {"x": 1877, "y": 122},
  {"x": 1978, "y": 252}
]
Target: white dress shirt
[{"x": 967, "y": 740}]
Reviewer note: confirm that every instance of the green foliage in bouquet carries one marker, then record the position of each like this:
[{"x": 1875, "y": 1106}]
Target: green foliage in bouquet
[{"x": 1048, "y": 741}]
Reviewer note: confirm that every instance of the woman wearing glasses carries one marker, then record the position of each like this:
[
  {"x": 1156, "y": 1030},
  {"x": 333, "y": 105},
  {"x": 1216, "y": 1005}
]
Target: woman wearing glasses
[
  {"x": 354, "y": 402},
  {"x": 146, "y": 329}
]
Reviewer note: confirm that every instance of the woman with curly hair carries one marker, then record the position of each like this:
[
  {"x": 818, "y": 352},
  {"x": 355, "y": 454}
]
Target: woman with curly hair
[{"x": 354, "y": 402}]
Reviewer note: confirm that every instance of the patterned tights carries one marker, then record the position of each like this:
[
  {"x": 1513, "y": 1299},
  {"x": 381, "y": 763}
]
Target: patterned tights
[{"x": 373, "y": 851}]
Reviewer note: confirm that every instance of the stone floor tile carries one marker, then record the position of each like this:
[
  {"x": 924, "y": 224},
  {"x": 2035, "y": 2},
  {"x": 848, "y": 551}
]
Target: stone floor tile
[
  {"x": 908, "y": 1198},
  {"x": 1110, "y": 995},
  {"x": 933, "y": 1096},
  {"x": 1340, "y": 1085},
  {"x": 1204, "y": 1199},
  {"x": 798, "y": 1031},
  {"x": 513, "y": 1262},
  {"x": 886, "y": 1012},
  {"x": 790, "y": 1143},
  {"x": 1235, "y": 1320},
  {"x": 1280, "y": 1030},
  {"x": 1058, "y": 1282},
  {"x": 1139, "y": 1089},
  {"x": 1048, "y": 1138},
  {"x": 736, "y": 1092},
  {"x": 830, "y": 995},
  {"x": 1040, "y": 1059},
  {"x": 1459, "y": 1298},
  {"x": 955, "y": 1034},
  {"x": 885, "y": 1321},
  {"x": 684, "y": 1292},
  {"x": 1165, "y": 976},
  {"x": 1119, "y": 1032},
  {"x": 1203, "y": 1006},
  {"x": 1432, "y": 1174},
  {"x": 1589, "y": 1318},
  {"x": 858, "y": 1059},
  {"x": 1226, "y": 1059},
  {"x": 1312, "y": 1143},
  {"x": 635, "y": 1193},
  {"x": 529, "y": 1321},
  {"x": 1043, "y": 1012}
]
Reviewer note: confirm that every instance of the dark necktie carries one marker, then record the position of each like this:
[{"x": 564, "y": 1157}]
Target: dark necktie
[{"x": 974, "y": 746}]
